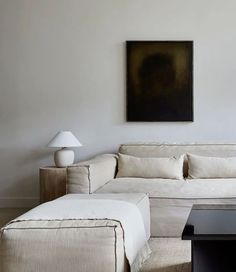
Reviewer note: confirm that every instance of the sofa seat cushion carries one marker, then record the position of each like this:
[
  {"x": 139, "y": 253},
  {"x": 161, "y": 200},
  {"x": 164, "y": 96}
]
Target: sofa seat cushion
[{"x": 171, "y": 188}]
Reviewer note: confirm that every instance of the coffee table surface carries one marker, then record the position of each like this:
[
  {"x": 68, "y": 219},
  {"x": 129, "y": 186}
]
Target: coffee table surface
[{"x": 211, "y": 222}]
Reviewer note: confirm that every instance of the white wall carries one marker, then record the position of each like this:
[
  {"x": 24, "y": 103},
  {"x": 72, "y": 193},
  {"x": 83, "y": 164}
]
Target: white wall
[{"x": 62, "y": 66}]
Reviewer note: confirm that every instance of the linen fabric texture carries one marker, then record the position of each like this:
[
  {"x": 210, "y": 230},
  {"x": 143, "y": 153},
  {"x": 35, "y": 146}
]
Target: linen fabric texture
[
  {"x": 130, "y": 166},
  {"x": 74, "y": 233},
  {"x": 171, "y": 200},
  {"x": 86, "y": 177},
  {"x": 211, "y": 167},
  {"x": 158, "y": 150}
]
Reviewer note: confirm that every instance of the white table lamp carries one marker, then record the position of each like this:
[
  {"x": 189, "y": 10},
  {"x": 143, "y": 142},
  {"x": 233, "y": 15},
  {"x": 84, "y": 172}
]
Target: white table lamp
[{"x": 64, "y": 156}]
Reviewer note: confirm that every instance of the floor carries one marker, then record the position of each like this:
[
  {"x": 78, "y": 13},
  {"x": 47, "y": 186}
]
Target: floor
[{"x": 168, "y": 254}]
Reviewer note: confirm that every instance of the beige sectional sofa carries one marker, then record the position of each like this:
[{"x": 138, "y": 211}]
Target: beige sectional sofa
[
  {"x": 79, "y": 232},
  {"x": 170, "y": 199}
]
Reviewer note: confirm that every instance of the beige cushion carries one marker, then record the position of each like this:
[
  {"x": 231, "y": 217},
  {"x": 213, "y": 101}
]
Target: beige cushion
[
  {"x": 171, "y": 200},
  {"x": 130, "y": 166},
  {"x": 152, "y": 150},
  {"x": 87, "y": 176},
  {"x": 211, "y": 167},
  {"x": 172, "y": 188},
  {"x": 169, "y": 150}
]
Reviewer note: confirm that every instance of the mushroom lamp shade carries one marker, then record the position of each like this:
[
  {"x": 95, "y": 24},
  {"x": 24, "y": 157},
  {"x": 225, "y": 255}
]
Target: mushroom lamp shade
[{"x": 64, "y": 156}]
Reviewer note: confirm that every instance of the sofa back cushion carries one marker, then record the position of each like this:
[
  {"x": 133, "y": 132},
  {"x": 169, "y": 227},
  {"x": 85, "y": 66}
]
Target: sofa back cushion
[
  {"x": 170, "y": 150},
  {"x": 211, "y": 167},
  {"x": 130, "y": 166}
]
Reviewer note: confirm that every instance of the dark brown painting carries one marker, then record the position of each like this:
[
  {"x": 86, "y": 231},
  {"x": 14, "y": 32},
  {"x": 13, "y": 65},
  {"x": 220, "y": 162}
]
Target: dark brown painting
[{"x": 159, "y": 80}]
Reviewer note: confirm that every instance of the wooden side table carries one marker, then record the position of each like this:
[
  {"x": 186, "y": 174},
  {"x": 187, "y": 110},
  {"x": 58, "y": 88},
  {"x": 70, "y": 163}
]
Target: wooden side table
[{"x": 52, "y": 183}]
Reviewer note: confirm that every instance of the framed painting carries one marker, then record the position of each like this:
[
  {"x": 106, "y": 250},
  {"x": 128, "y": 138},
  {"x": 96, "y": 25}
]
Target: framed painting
[{"x": 159, "y": 80}]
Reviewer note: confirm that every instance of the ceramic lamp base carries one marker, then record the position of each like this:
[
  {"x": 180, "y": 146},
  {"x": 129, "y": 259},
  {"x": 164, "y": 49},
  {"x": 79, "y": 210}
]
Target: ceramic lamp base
[{"x": 64, "y": 157}]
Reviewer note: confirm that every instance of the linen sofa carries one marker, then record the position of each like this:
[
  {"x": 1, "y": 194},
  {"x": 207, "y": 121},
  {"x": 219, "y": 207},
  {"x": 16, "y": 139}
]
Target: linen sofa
[
  {"x": 78, "y": 232},
  {"x": 170, "y": 199}
]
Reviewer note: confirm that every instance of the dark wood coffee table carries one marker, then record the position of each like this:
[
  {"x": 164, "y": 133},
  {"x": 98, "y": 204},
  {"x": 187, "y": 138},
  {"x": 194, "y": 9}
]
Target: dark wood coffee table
[{"x": 212, "y": 231}]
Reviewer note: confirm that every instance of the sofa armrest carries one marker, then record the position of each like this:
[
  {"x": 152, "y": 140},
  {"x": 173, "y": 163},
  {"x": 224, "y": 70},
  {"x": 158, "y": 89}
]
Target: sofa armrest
[{"x": 87, "y": 176}]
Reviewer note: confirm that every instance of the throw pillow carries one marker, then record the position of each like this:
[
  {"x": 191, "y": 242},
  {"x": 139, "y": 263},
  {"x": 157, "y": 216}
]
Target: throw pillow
[
  {"x": 211, "y": 167},
  {"x": 130, "y": 166}
]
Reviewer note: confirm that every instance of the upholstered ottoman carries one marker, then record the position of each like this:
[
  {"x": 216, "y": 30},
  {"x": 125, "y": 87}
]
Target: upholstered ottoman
[{"x": 102, "y": 233}]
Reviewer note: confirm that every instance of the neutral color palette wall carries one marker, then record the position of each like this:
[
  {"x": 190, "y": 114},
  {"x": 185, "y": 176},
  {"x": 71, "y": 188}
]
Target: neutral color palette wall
[{"x": 62, "y": 66}]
